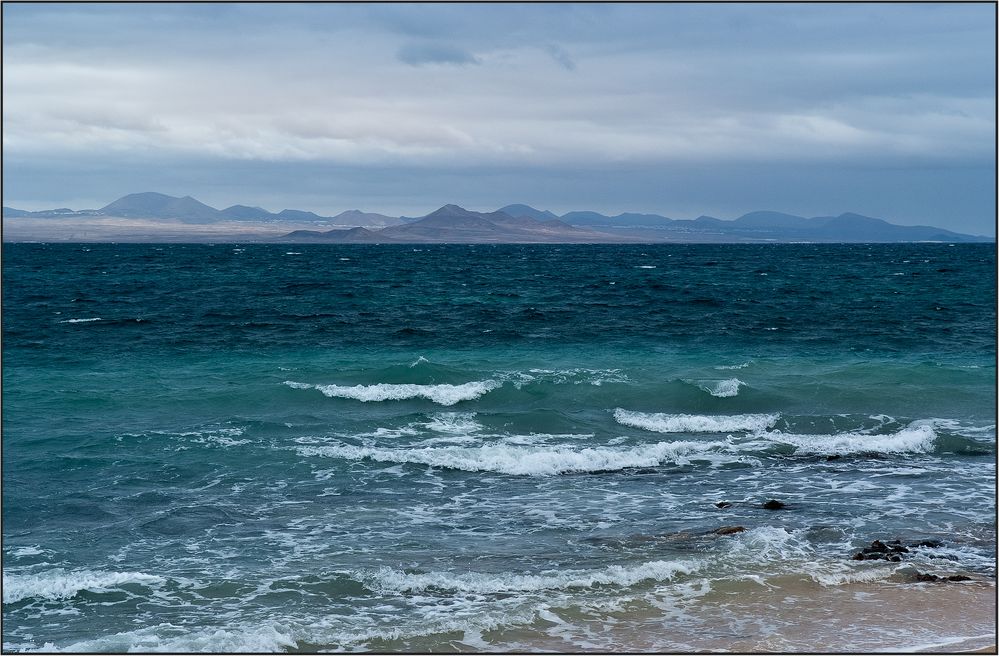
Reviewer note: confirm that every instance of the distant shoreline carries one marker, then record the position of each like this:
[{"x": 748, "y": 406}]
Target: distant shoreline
[{"x": 113, "y": 229}]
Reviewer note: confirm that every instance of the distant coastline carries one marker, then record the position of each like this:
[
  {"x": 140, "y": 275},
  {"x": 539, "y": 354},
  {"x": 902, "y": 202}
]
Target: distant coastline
[{"x": 155, "y": 217}]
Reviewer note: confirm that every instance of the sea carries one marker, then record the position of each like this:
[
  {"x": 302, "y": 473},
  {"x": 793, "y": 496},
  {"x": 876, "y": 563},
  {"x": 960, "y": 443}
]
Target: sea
[{"x": 440, "y": 448}]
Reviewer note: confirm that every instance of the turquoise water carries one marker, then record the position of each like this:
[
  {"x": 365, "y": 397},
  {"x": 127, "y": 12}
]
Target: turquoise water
[{"x": 265, "y": 448}]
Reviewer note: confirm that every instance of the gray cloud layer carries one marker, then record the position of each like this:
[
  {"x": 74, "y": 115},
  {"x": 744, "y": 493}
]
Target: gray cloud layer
[{"x": 511, "y": 98}]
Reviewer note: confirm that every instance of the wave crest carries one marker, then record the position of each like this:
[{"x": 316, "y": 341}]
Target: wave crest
[
  {"x": 670, "y": 423},
  {"x": 525, "y": 460},
  {"x": 60, "y": 584},
  {"x": 394, "y": 580},
  {"x": 914, "y": 439},
  {"x": 442, "y": 394}
]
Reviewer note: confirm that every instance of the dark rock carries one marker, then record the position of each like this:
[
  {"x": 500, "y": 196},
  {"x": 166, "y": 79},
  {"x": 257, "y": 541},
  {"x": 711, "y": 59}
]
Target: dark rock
[
  {"x": 729, "y": 530},
  {"x": 774, "y": 504},
  {"x": 835, "y": 456},
  {"x": 723, "y": 504},
  {"x": 882, "y": 551},
  {"x": 933, "y": 578},
  {"x": 932, "y": 544}
]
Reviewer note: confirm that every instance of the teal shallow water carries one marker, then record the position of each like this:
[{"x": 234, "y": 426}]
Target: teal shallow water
[{"x": 259, "y": 448}]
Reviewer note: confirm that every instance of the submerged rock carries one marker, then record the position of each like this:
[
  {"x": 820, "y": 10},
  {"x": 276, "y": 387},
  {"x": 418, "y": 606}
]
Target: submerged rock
[
  {"x": 890, "y": 551},
  {"x": 723, "y": 504},
  {"x": 729, "y": 530},
  {"x": 774, "y": 504}
]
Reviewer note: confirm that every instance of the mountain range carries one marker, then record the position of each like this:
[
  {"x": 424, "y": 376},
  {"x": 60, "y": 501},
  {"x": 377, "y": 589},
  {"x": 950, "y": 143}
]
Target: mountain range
[{"x": 515, "y": 223}]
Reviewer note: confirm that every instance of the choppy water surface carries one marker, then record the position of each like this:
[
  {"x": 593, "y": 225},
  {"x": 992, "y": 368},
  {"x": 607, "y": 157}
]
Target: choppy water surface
[{"x": 259, "y": 447}]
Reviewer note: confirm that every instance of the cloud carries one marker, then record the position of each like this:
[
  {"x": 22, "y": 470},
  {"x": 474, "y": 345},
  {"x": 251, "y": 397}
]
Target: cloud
[
  {"x": 562, "y": 57},
  {"x": 419, "y": 54},
  {"x": 463, "y": 87}
]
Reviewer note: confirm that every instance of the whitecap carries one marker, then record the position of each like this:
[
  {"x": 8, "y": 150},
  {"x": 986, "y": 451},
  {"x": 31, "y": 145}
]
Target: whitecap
[
  {"x": 453, "y": 422},
  {"x": 722, "y": 388},
  {"x": 526, "y": 460},
  {"x": 60, "y": 584},
  {"x": 671, "y": 423},
  {"x": 913, "y": 439},
  {"x": 81, "y": 320},
  {"x": 442, "y": 394},
  {"x": 734, "y": 366}
]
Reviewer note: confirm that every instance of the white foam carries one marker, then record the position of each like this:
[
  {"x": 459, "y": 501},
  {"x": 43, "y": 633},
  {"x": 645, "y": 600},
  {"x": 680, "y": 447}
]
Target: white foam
[
  {"x": 169, "y": 638},
  {"x": 525, "y": 460},
  {"x": 913, "y": 439},
  {"x": 454, "y": 422},
  {"x": 81, "y": 320},
  {"x": 27, "y": 551},
  {"x": 722, "y": 388},
  {"x": 60, "y": 584},
  {"x": 668, "y": 423},
  {"x": 442, "y": 394},
  {"x": 392, "y": 580},
  {"x": 734, "y": 366}
]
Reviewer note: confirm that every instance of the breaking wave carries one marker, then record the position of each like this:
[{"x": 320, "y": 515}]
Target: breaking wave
[
  {"x": 60, "y": 584},
  {"x": 722, "y": 388},
  {"x": 670, "y": 423},
  {"x": 914, "y": 439},
  {"x": 393, "y": 580},
  {"x": 443, "y": 394},
  {"x": 526, "y": 460}
]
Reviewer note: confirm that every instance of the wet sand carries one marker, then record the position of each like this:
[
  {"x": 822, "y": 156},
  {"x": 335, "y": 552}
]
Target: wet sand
[{"x": 779, "y": 616}]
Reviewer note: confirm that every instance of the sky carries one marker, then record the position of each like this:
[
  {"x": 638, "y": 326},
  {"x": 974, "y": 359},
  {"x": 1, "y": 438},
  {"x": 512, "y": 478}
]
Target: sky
[{"x": 886, "y": 110}]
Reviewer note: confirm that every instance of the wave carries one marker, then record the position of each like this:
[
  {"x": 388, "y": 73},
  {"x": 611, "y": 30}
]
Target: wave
[
  {"x": 525, "y": 460},
  {"x": 575, "y": 376},
  {"x": 81, "y": 320},
  {"x": 443, "y": 394},
  {"x": 453, "y": 422},
  {"x": 722, "y": 388},
  {"x": 914, "y": 439},
  {"x": 60, "y": 584},
  {"x": 392, "y": 580},
  {"x": 264, "y": 637},
  {"x": 669, "y": 423}
]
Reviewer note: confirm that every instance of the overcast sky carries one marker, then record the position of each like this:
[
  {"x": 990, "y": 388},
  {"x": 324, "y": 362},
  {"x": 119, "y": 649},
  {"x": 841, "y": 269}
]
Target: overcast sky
[{"x": 680, "y": 109}]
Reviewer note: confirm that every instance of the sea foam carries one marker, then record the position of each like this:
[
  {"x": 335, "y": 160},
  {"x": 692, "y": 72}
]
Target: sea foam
[
  {"x": 669, "y": 423},
  {"x": 525, "y": 460},
  {"x": 393, "y": 580},
  {"x": 443, "y": 394},
  {"x": 60, "y": 584},
  {"x": 913, "y": 439},
  {"x": 722, "y": 388}
]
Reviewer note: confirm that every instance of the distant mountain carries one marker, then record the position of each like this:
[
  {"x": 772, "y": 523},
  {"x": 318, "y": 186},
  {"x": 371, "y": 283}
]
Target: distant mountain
[
  {"x": 152, "y": 205},
  {"x": 516, "y": 223},
  {"x": 518, "y": 210},
  {"x": 454, "y": 224},
  {"x": 369, "y": 219},
  {"x": 246, "y": 213}
]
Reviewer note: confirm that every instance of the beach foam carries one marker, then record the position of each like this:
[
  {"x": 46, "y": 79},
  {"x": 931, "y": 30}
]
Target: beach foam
[
  {"x": 670, "y": 423},
  {"x": 393, "y": 580},
  {"x": 443, "y": 394}
]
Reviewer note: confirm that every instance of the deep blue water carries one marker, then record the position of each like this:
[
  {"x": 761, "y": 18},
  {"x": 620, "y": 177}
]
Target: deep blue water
[{"x": 263, "y": 447}]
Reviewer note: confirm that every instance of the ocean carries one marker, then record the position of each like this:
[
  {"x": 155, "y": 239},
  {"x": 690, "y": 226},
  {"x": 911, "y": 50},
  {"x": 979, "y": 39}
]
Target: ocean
[{"x": 255, "y": 448}]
